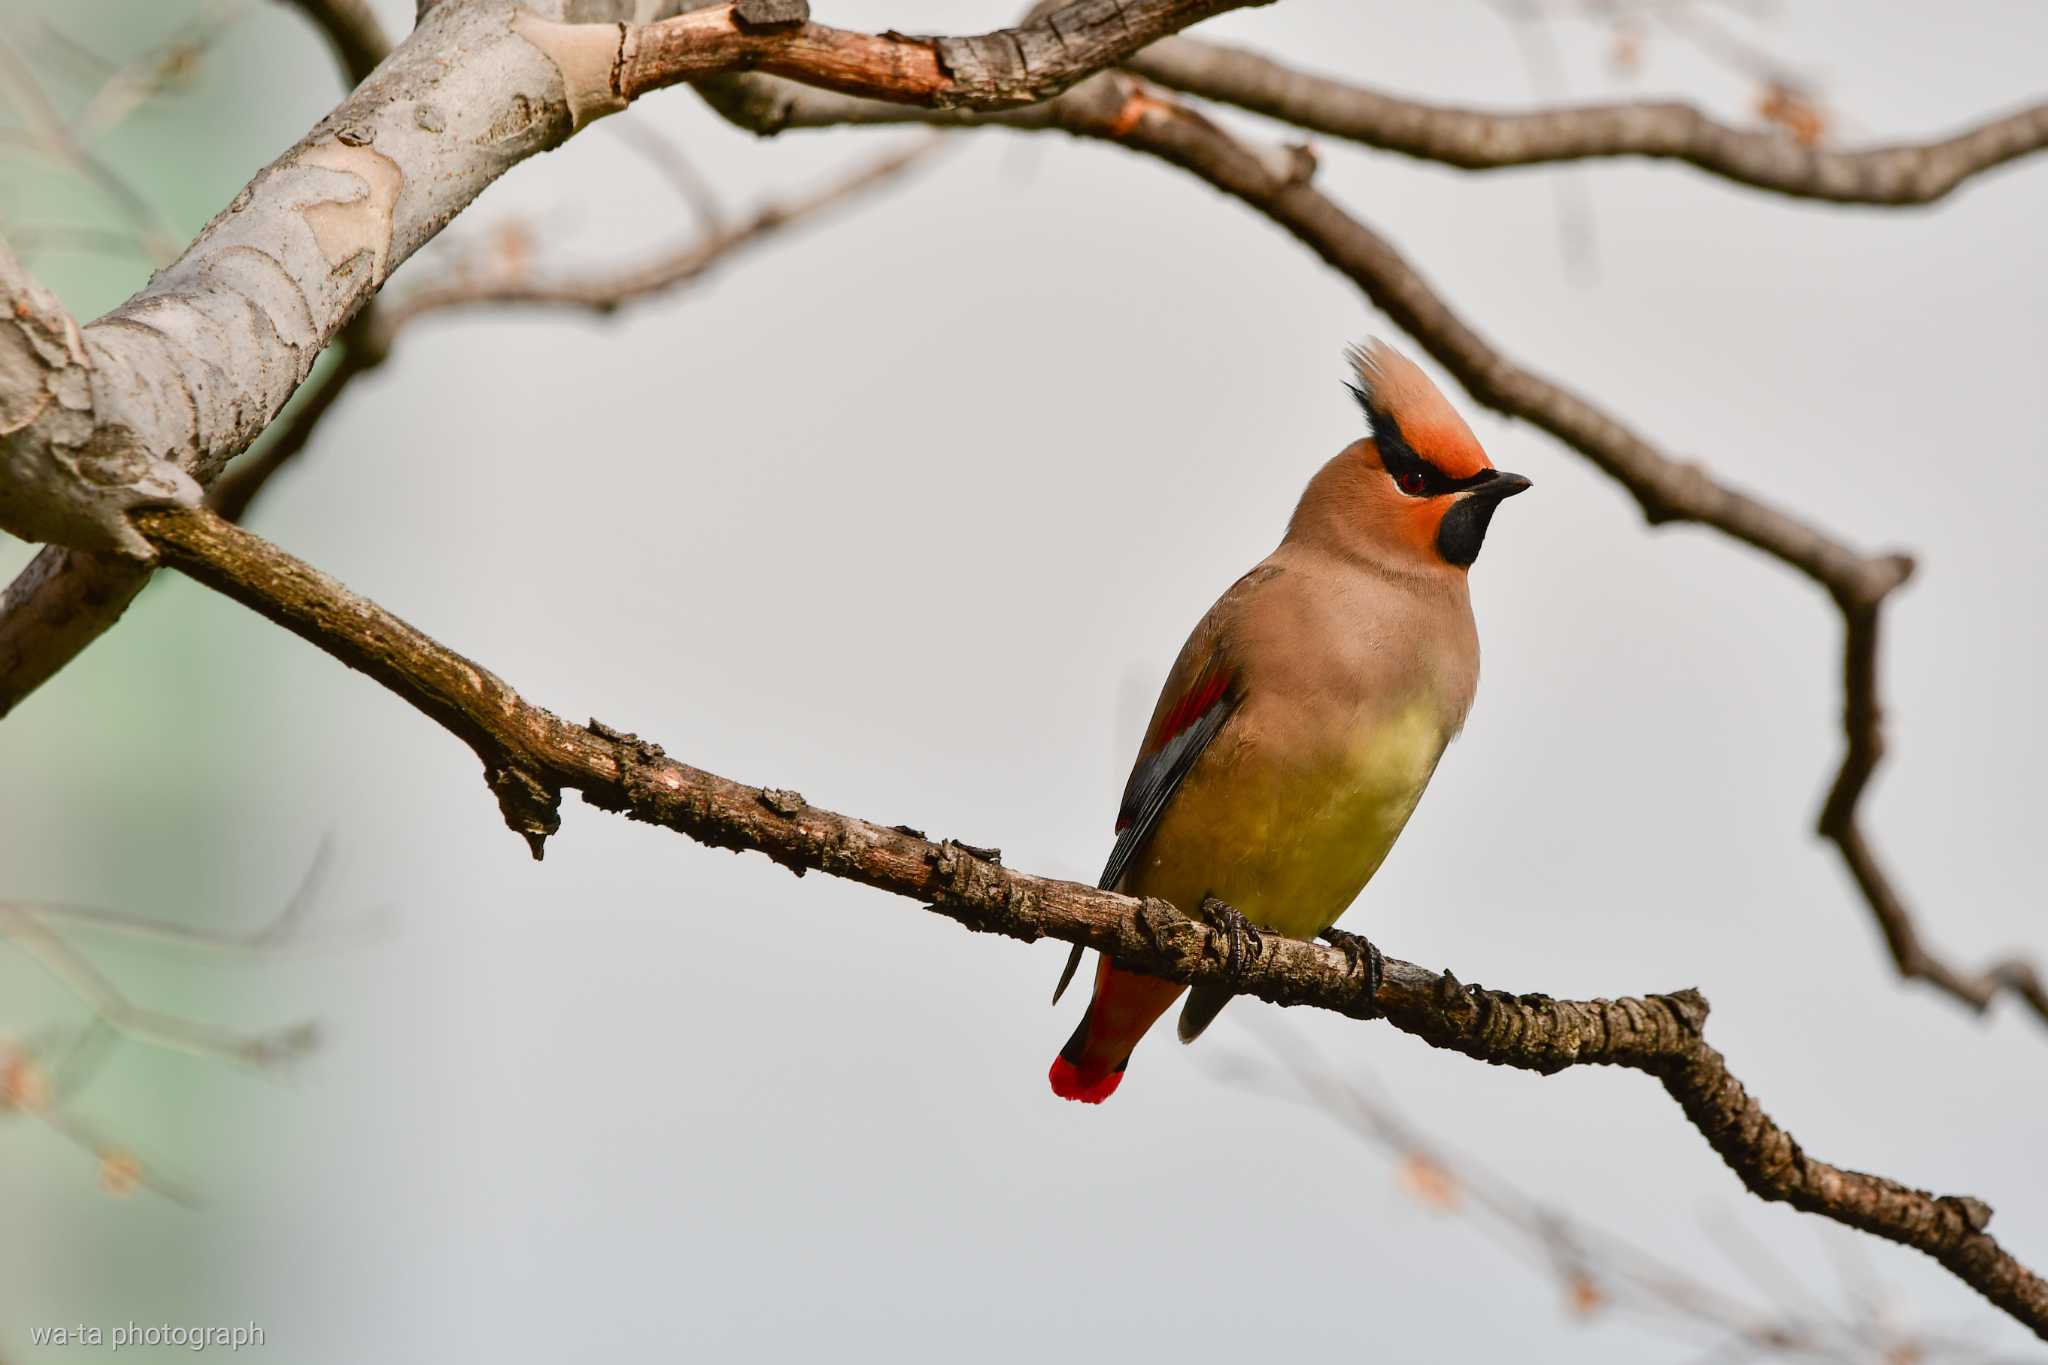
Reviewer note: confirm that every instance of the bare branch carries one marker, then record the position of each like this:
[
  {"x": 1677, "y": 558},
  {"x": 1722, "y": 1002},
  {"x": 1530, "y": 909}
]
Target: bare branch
[
  {"x": 39, "y": 1078},
  {"x": 1023, "y": 65},
  {"x": 33, "y": 1085},
  {"x": 531, "y": 755},
  {"x": 1597, "y": 1271},
  {"x": 352, "y": 30},
  {"x": 1914, "y": 173},
  {"x": 282, "y": 929},
  {"x": 63, "y": 601},
  {"x": 189, "y": 371},
  {"x": 1119, "y": 109},
  {"x": 607, "y": 292},
  {"x": 368, "y": 341},
  {"x": 24, "y": 926},
  {"x": 1863, "y": 723}
]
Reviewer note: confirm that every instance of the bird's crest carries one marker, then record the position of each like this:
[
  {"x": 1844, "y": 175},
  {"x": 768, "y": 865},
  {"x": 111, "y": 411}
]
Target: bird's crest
[{"x": 1409, "y": 415}]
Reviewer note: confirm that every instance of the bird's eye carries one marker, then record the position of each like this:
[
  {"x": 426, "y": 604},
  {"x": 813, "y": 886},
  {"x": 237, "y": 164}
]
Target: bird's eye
[{"x": 1412, "y": 483}]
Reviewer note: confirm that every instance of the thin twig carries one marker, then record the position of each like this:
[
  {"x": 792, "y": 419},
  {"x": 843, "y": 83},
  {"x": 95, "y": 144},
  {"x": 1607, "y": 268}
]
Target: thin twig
[
  {"x": 369, "y": 340},
  {"x": 1477, "y": 140},
  {"x": 23, "y": 927},
  {"x": 606, "y": 292},
  {"x": 1596, "y": 1271}
]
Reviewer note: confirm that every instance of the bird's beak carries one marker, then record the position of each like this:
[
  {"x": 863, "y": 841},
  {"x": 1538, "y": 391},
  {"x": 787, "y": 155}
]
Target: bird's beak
[
  {"x": 1501, "y": 485},
  {"x": 1463, "y": 529}
]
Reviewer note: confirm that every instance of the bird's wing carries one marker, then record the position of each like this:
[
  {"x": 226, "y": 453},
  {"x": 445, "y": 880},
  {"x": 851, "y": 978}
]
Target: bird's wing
[
  {"x": 1202, "y": 692},
  {"x": 1194, "y": 710}
]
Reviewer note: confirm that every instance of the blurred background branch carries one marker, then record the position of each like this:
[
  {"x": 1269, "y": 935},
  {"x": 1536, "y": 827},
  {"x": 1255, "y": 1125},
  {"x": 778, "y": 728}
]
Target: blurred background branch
[
  {"x": 40, "y": 1076},
  {"x": 1595, "y": 1272}
]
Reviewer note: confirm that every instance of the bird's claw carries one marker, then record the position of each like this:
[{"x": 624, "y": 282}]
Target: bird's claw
[
  {"x": 1359, "y": 951},
  {"x": 1238, "y": 932}
]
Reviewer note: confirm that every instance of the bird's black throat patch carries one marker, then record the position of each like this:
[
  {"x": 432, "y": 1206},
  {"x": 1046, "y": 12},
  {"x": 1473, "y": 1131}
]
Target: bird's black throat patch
[{"x": 1463, "y": 529}]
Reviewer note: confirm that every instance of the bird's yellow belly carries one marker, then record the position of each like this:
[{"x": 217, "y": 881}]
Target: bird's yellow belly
[{"x": 1291, "y": 844}]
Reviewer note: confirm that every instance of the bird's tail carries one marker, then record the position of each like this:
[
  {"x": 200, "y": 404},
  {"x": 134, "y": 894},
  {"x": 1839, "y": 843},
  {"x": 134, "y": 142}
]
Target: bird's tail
[{"x": 1125, "y": 1004}]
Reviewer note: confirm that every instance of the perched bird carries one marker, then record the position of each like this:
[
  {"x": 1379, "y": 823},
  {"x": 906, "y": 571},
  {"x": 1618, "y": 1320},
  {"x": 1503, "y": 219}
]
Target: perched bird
[{"x": 1308, "y": 710}]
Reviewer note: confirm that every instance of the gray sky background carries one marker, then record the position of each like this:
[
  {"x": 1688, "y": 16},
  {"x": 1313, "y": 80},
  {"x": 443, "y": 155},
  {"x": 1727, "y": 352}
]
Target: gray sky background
[{"x": 910, "y": 512}]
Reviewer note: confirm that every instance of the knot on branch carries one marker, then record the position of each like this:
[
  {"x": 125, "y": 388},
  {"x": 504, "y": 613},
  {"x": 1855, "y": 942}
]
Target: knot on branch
[
  {"x": 631, "y": 747},
  {"x": 784, "y": 802},
  {"x": 1689, "y": 1007},
  {"x": 968, "y": 882},
  {"x": 642, "y": 767},
  {"x": 765, "y": 16},
  {"x": 1159, "y": 922},
  {"x": 1862, "y": 590},
  {"x": 654, "y": 792},
  {"x": 1973, "y": 1210},
  {"x": 1450, "y": 993},
  {"x": 532, "y": 807}
]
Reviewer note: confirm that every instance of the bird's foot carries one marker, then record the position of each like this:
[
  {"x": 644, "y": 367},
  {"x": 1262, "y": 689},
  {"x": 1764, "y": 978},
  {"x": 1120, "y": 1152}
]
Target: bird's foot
[
  {"x": 1242, "y": 938},
  {"x": 1364, "y": 958}
]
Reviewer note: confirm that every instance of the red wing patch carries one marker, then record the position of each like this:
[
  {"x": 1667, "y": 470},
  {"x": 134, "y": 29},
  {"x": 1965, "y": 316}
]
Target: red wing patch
[
  {"x": 1194, "y": 719},
  {"x": 1208, "y": 689}
]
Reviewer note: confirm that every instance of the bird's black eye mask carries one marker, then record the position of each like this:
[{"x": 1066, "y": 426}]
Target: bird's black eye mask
[{"x": 1412, "y": 474}]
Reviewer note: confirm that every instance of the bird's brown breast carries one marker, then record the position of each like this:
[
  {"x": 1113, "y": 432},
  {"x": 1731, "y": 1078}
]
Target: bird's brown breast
[{"x": 1353, "y": 685}]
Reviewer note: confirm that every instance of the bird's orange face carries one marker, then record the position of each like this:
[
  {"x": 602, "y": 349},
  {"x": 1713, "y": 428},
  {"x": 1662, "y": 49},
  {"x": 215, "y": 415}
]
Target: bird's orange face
[
  {"x": 1435, "y": 508},
  {"x": 1430, "y": 489}
]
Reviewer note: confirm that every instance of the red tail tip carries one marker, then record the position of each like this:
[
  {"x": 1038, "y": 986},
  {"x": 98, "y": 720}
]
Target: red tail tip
[{"x": 1068, "y": 1083}]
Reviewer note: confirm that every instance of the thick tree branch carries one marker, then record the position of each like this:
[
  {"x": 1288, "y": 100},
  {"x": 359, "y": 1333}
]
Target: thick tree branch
[
  {"x": 161, "y": 392},
  {"x": 1471, "y": 139},
  {"x": 1117, "y": 108},
  {"x": 531, "y": 755},
  {"x": 56, "y": 606}
]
